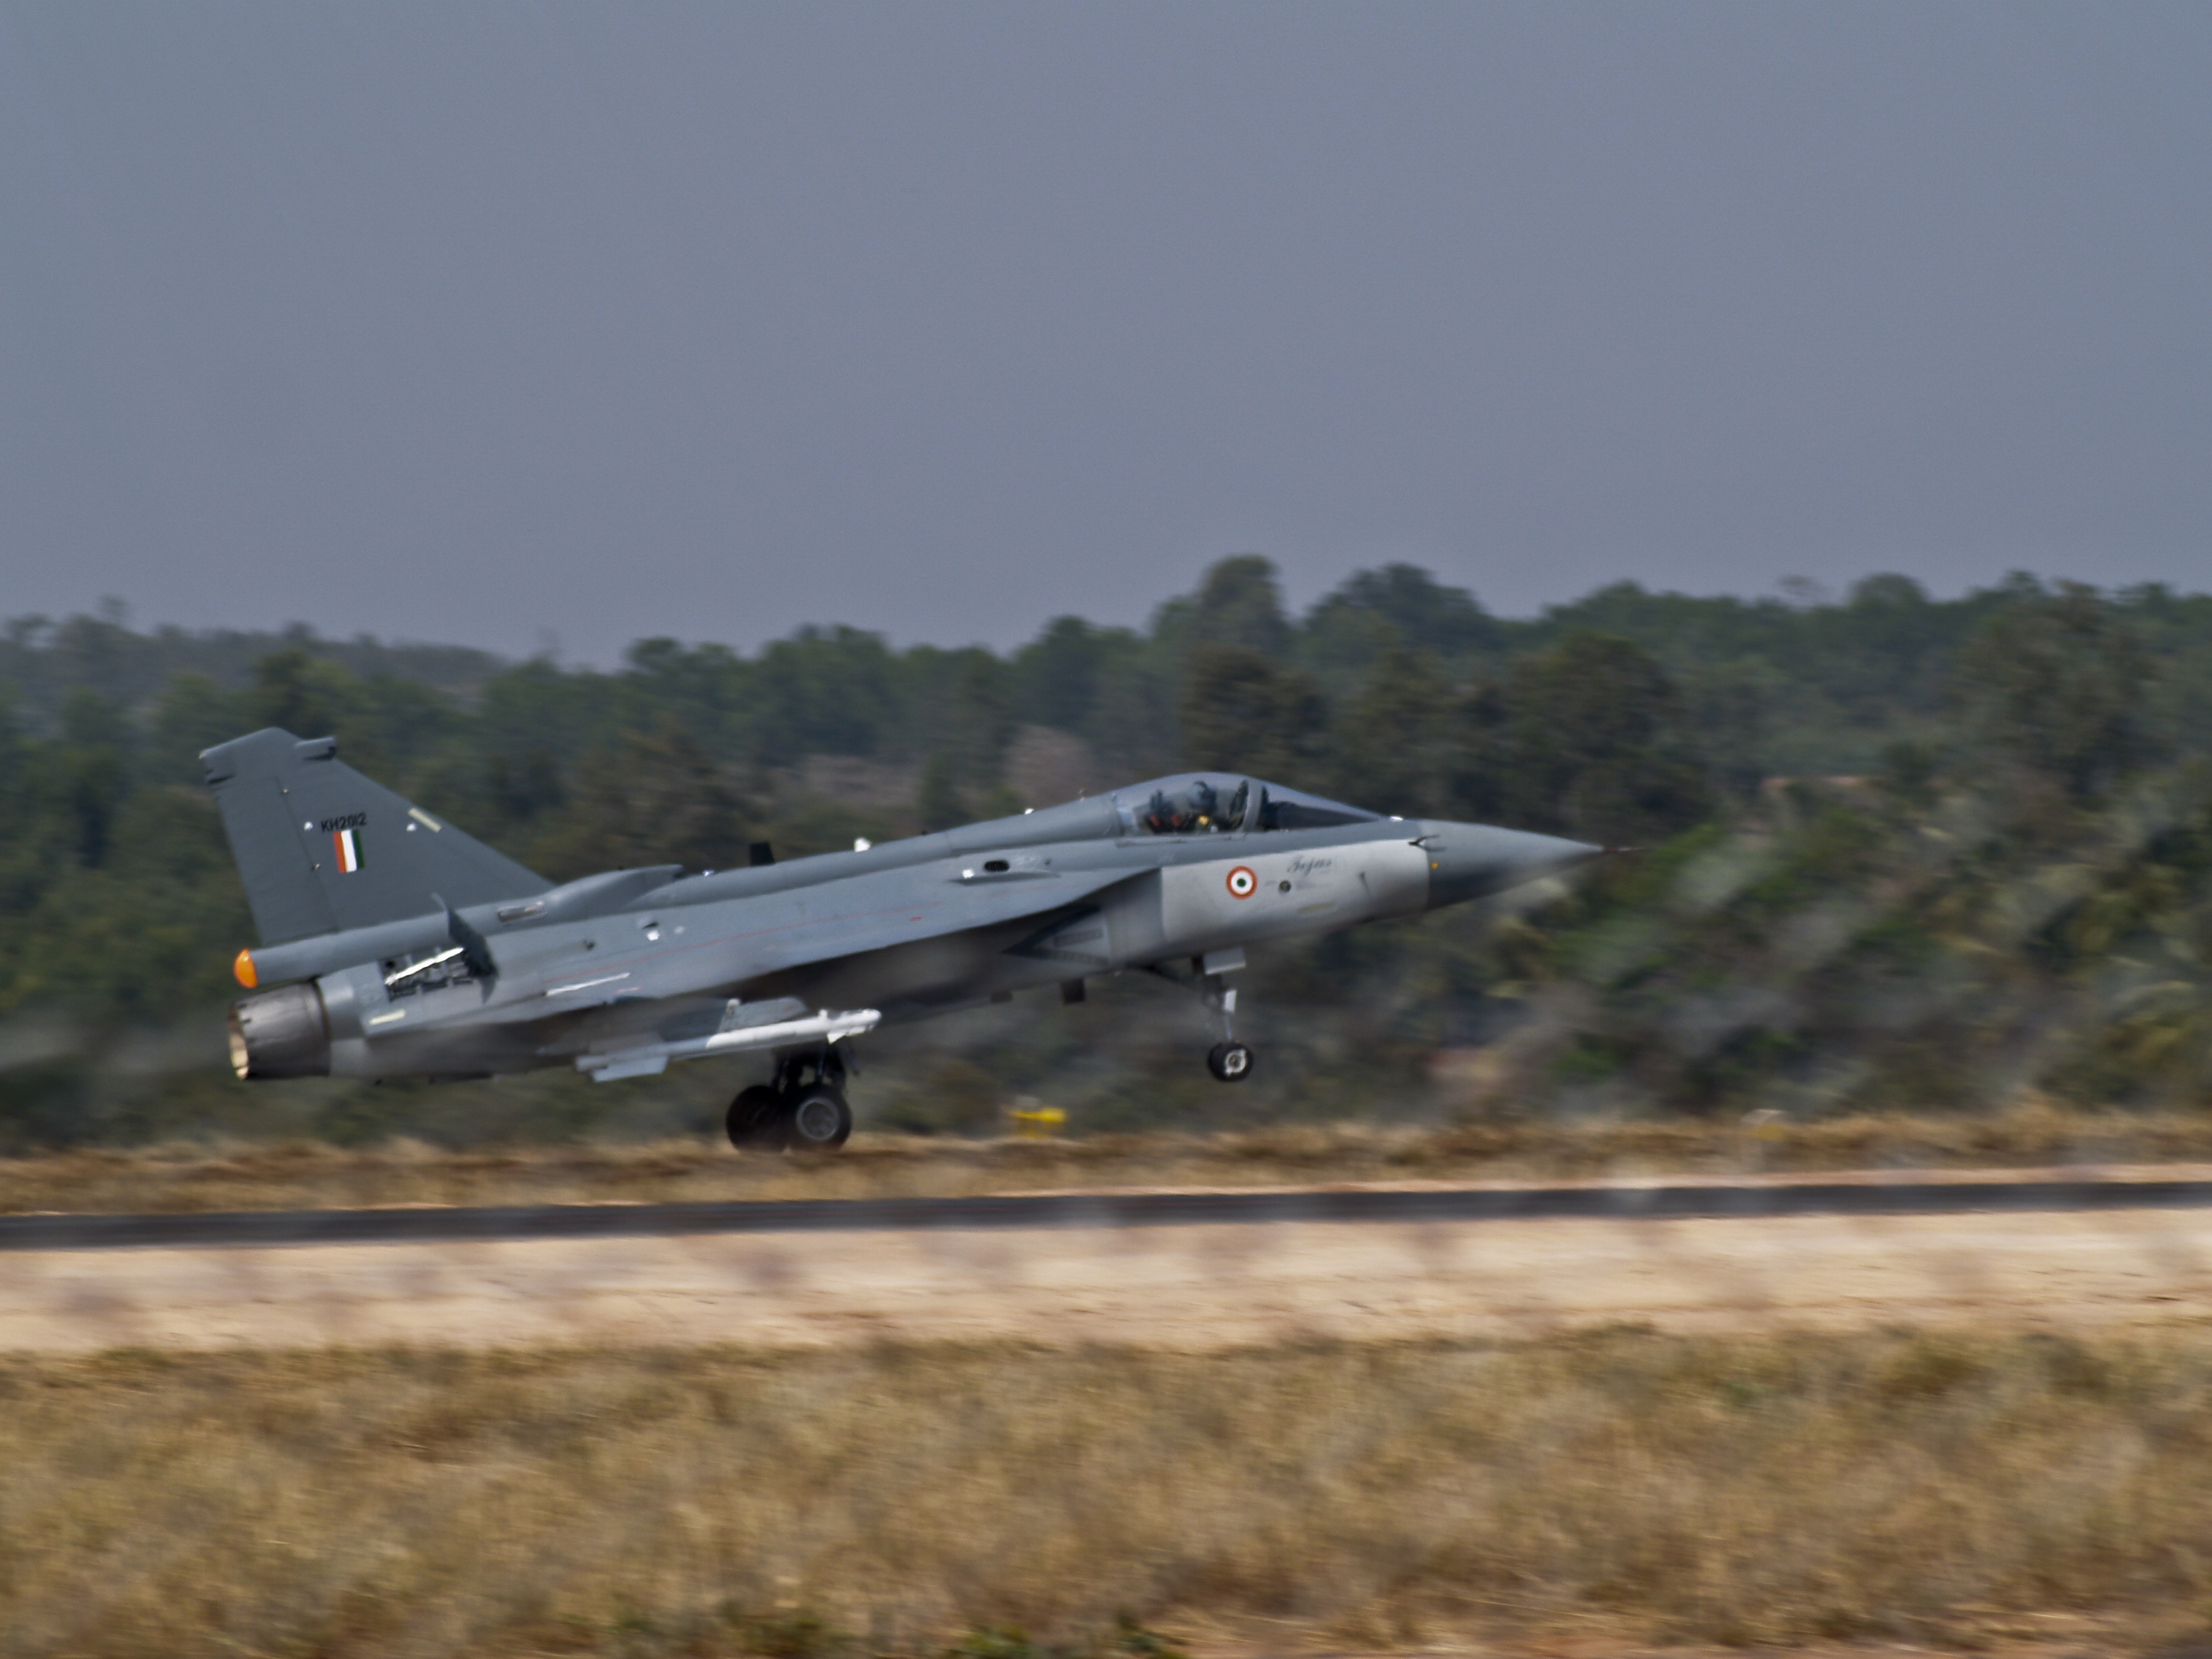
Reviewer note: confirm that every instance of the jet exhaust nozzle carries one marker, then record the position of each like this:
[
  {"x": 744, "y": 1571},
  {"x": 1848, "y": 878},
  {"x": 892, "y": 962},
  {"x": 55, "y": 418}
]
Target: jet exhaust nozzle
[{"x": 284, "y": 1033}]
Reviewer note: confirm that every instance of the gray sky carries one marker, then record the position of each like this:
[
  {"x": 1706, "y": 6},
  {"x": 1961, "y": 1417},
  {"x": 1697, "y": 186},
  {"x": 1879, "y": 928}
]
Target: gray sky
[{"x": 467, "y": 322}]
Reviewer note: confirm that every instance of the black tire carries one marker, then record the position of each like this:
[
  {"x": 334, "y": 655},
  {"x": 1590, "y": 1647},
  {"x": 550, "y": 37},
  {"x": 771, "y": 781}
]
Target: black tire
[
  {"x": 817, "y": 1120},
  {"x": 755, "y": 1120},
  {"x": 1231, "y": 1062}
]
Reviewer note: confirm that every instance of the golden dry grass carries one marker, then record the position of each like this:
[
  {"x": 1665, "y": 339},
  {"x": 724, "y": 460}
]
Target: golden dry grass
[
  {"x": 1939, "y": 1486},
  {"x": 308, "y": 1175}
]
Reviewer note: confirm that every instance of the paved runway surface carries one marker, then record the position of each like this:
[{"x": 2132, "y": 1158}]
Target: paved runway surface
[
  {"x": 2051, "y": 1250},
  {"x": 1655, "y": 1202}
]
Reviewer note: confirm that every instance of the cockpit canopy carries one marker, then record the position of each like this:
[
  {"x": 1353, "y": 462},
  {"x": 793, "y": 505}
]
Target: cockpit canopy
[{"x": 1216, "y": 803}]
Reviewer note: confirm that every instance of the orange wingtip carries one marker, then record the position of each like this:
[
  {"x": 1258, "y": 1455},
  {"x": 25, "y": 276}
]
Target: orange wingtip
[{"x": 243, "y": 967}]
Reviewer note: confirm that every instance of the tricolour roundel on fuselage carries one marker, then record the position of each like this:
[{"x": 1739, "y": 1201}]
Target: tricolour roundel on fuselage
[{"x": 1261, "y": 895}]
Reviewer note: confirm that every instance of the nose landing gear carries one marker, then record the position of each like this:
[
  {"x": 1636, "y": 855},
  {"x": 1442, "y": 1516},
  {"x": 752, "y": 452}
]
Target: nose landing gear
[
  {"x": 797, "y": 1112},
  {"x": 1230, "y": 1060}
]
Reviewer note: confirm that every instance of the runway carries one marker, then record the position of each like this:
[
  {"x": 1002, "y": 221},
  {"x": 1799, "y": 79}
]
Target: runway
[
  {"x": 1990, "y": 1193},
  {"x": 1182, "y": 1271}
]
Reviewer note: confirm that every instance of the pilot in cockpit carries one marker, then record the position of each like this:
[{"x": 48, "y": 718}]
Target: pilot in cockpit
[
  {"x": 1189, "y": 806},
  {"x": 1194, "y": 808}
]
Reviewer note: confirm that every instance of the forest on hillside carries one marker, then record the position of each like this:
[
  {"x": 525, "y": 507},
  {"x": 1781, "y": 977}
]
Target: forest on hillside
[{"x": 1897, "y": 850}]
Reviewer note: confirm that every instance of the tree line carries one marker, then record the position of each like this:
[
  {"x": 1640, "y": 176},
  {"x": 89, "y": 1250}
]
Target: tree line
[{"x": 1628, "y": 718}]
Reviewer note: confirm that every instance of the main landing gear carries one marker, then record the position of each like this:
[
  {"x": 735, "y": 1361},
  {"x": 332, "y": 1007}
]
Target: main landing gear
[{"x": 804, "y": 1110}]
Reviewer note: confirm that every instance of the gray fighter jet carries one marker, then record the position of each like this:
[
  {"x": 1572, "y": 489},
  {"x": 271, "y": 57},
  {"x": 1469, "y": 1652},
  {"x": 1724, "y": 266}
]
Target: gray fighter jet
[{"x": 402, "y": 948}]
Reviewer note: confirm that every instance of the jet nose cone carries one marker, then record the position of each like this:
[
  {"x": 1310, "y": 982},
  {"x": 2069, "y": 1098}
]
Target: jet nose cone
[{"x": 1468, "y": 860}]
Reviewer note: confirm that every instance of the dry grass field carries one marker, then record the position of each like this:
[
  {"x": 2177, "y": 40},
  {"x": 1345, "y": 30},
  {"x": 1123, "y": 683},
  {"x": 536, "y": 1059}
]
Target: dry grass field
[
  {"x": 305, "y": 1174},
  {"x": 1589, "y": 1493},
  {"x": 1562, "y": 1488}
]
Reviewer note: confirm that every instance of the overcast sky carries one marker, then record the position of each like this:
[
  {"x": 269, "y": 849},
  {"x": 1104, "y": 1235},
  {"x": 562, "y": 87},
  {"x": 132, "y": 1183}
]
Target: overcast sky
[{"x": 473, "y": 323}]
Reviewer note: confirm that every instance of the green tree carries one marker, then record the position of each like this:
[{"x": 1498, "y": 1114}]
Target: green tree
[
  {"x": 1730, "y": 710},
  {"x": 93, "y": 770},
  {"x": 1238, "y": 602},
  {"x": 191, "y": 713},
  {"x": 1398, "y": 745},
  {"x": 2056, "y": 688},
  {"x": 655, "y": 798},
  {"x": 1593, "y": 745},
  {"x": 1245, "y": 711},
  {"x": 305, "y": 695},
  {"x": 1134, "y": 726},
  {"x": 1421, "y": 612},
  {"x": 981, "y": 720},
  {"x": 832, "y": 691},
  {"x": 1057, "y": 674},
  {"x": 938, "y": 800}
]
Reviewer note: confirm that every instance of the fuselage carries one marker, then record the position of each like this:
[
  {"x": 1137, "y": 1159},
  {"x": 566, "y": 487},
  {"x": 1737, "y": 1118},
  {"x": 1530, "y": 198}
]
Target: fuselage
[{"x": 906, "y": 929}]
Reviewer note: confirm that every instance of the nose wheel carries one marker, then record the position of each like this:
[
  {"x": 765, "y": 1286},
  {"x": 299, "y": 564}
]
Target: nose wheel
[{"x": 1231, "y": 1062}]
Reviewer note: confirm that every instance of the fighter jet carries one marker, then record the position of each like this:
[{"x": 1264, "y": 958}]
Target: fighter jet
[{"x": 395, "y": 946}]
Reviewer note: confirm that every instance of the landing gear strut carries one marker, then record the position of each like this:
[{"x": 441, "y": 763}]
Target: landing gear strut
[
  {"x": 804, "y": 1110},
  {"x": 1229, "y": 1060}
]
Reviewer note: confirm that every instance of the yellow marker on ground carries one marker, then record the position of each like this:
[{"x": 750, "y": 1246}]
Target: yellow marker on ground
[{"x": 1037, "y": 1121}]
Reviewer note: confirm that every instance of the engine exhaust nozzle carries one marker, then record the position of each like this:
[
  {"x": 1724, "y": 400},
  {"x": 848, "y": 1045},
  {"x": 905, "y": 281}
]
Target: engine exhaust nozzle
[{"x": 285, "y": 1033}]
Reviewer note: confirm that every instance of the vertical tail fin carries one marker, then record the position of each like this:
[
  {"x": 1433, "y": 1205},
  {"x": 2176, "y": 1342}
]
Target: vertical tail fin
[{"x": 322, "y": 848}]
